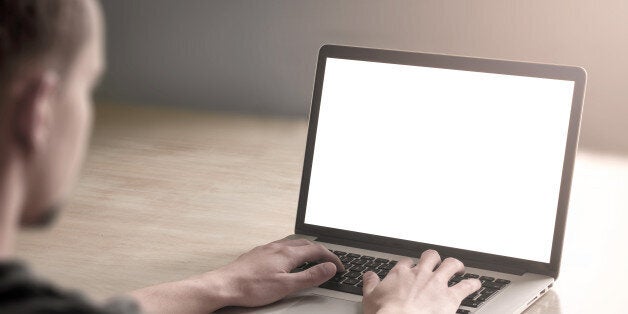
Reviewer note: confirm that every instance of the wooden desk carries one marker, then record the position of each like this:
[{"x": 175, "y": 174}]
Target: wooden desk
[{"x": 166, "y": 194}]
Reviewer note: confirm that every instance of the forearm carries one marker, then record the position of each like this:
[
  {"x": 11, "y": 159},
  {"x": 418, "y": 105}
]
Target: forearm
[
  {"x": 194, "y": 295},
  {"x": 256, "y": 278}
]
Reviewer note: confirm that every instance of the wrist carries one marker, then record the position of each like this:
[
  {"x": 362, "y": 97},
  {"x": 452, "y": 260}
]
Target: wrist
[
  {"x": 193, "y": 295},
  {"x": 217, "y": 288}
]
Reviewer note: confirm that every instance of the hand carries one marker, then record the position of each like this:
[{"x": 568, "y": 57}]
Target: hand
[
  {"x": 419, "y": 289},
  {"x": 262, "y": 276},
  {"x": 259, "y": 277}
]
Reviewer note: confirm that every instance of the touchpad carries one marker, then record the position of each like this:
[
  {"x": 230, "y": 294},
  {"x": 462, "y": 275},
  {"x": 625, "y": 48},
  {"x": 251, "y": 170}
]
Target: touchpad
[
  {"x": 311, "y": 304},
  {"x": 303, "y": 304}
]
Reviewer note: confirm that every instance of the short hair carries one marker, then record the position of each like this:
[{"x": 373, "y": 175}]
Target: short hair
[{"x": 31, "y": 29}]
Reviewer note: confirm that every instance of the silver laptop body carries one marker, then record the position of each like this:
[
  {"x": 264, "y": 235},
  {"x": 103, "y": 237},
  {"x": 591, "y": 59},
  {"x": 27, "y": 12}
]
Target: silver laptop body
[{"x": 411, "y": 151}]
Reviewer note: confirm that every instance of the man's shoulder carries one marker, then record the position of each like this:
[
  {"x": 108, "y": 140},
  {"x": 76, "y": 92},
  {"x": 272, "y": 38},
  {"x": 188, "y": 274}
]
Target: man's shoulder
[{"x": 23, "y": 292}]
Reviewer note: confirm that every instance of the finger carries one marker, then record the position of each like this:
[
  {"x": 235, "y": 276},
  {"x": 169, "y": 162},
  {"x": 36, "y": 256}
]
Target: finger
[
  {"x": 465, "y": 287},
  {"x": 404, "y": 262},
  {"x": 428, "y": 261},
  {"x": 316, "y": 252},
  {"x": 370, "y": 281},
  {"x": 294, "y": 242},
  {"x": 448, "y": 268},
  {"x": 311, "y": 277}
]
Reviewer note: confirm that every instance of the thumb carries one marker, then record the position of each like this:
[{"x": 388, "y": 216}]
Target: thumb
[
  {"x": 314, "y": 276},
  {"x": 371, "y": 280}
]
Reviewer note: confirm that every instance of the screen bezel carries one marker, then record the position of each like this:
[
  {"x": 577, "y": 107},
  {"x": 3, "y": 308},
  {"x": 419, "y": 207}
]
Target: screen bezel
[{"x": 411, "y": 248}]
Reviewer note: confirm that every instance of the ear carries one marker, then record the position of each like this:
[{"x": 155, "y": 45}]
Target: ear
[{"x": 33, "y": 108}]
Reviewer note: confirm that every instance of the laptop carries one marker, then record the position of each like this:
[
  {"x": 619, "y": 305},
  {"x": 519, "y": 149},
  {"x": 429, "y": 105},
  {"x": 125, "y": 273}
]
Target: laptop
[{"x": 413, "y": 151}]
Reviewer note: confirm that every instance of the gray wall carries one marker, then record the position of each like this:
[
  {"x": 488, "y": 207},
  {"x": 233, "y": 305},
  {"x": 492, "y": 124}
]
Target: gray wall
[{"x": 259, "y": 56}]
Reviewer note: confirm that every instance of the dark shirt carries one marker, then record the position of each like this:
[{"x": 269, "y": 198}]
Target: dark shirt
[{"x": 21, "y": 292}]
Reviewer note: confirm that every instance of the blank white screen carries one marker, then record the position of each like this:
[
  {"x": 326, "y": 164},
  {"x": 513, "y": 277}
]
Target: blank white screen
[{"x": 461, "y": 159}]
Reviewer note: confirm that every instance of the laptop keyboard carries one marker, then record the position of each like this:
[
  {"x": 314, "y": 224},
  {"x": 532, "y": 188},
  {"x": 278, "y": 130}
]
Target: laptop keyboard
[{"x": 356, "y": 265}]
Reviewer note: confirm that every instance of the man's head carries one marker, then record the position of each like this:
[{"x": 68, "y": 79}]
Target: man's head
[{"x": 51, "y": 55}]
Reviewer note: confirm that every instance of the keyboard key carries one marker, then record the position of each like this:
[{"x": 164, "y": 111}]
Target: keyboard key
[
  {"x": 504, "y": 281},
  {"x": 368, "y": 258},
  {"x": 482, "y": 298},
  {"x": 340, "y": 253},
  {"x": 468, "y": 275},
  {"x": 488, "y": 292},
  {"x": 358, "y": 268},
  {"x": 386, "y": 266},
  {"x": 382, "y": 260},
  {"x": 336, "y": 278},
  {"x": 372, "y": 264},
  {"x": 353, "y": 255},
  {"x": 342, "y": 287},
  {"x": 462, "y": 311},
  {"x": 382, "y": 274},
  {"x": 351, "y": 281},
  {"x": 359, "y": 261},
  {"x": 346, "y": 259},
  {"x": 493, "y": 285},
  {"x": 470, "y": 303},
  {"x": 471, "y": 297},
  {"x": 457, "y": 278},
  {"x": 487, "y": 278},
  {"x": 353, "y": 274}
]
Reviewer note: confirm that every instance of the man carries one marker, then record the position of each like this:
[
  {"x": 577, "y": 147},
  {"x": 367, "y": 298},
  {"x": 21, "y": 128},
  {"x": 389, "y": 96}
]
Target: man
[{"x": 51, "y": 56}]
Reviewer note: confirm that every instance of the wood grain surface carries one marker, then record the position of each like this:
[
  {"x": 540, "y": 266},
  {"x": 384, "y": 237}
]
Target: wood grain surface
[{"x": 166, "y": 194}]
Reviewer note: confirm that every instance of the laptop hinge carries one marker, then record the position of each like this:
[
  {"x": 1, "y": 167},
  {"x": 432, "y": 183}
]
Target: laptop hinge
[{"x": 412, "y": 253}]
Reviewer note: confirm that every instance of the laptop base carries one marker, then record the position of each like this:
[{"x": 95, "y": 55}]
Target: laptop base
[{"x": 522, "y": 292}]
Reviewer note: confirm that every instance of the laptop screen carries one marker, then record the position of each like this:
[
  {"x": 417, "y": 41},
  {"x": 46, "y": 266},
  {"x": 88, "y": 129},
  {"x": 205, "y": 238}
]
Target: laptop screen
[{"x": 462, "y": 159}]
